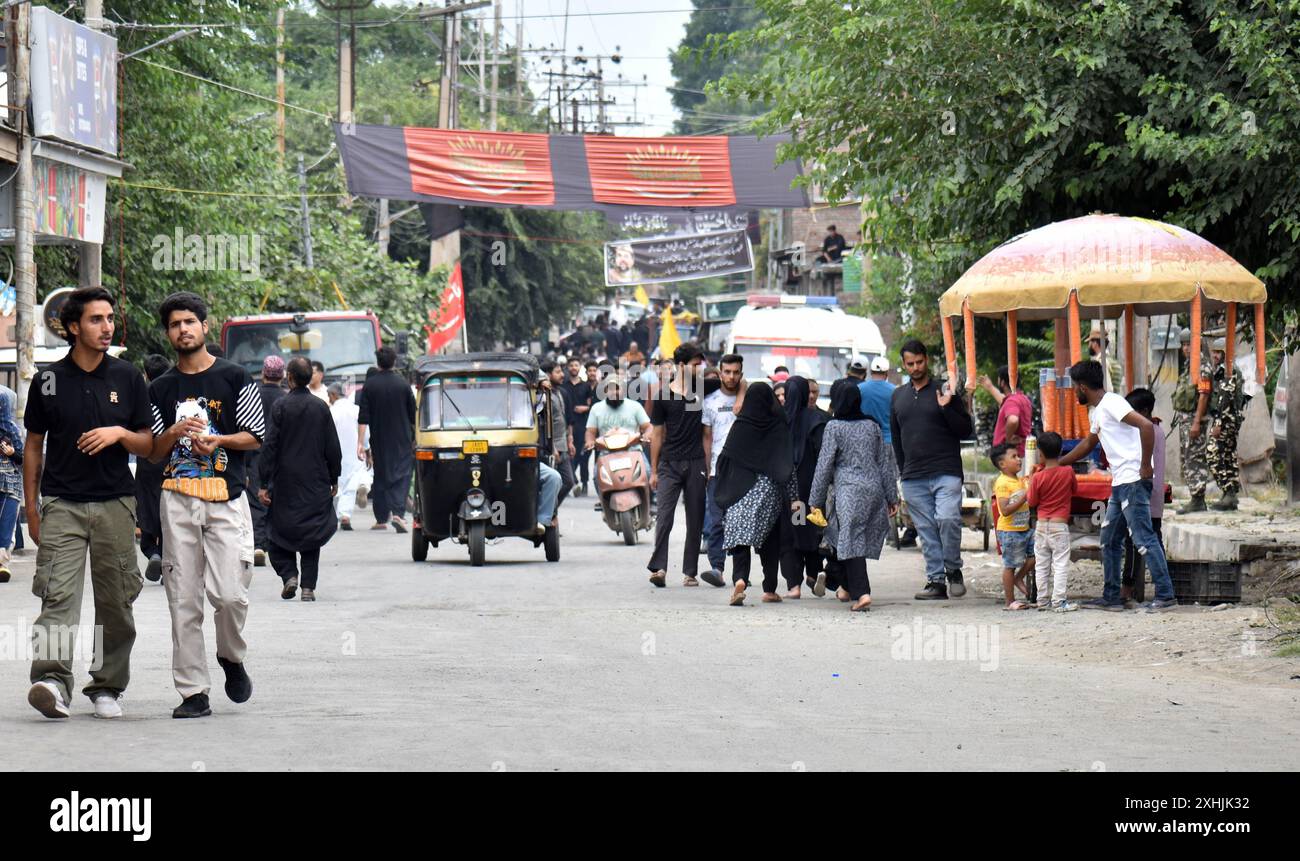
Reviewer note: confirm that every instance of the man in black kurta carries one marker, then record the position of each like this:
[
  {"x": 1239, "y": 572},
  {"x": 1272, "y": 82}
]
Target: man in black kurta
[
  {"x": 388, "y": 410},
  {"x": 300, "y": 467},
  {"x": 271, "y": 390}
]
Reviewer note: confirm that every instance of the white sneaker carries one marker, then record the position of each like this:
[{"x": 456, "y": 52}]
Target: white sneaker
[
  {"x": 107, "y": 706},
  {"x": 47, "y": 699}
]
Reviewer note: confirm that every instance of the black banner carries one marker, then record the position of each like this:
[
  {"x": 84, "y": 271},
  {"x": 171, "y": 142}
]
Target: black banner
[{"x": 677, "y": 258}]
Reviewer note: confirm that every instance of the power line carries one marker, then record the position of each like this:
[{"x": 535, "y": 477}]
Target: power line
[{"x": 249, "y": 93}]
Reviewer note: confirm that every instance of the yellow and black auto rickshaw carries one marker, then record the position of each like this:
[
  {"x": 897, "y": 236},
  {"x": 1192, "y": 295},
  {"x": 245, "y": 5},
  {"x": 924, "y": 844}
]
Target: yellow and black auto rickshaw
[{"x": 476, "y": 453}]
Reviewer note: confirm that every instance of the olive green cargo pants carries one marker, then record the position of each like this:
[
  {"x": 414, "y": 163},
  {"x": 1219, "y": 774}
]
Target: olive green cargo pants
[{"x": 68, "y": 531}]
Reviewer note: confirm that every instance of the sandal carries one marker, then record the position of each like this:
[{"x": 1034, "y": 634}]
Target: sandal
[
  {"x": 1018, "y": 605},
  {"x": 690, "y": 581},
  {"x": 843, "y": 595},
  {"x": 738, "y": 593},
  {"x": 771, "y": 598},
  {"x": 860, "y": 607},
  {"x": 659, "y": 579}
]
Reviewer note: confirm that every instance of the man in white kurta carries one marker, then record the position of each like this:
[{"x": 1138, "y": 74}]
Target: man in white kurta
[{"x": 355, "y": 478}]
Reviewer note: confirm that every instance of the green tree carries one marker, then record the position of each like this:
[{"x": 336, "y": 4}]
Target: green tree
[
  {"x": 968, "y": 122},
  {"x": 695, "y": 66}
]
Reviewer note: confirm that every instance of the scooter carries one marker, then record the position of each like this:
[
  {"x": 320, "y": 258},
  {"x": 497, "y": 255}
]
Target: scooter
[{"x": 623, "y": 484}]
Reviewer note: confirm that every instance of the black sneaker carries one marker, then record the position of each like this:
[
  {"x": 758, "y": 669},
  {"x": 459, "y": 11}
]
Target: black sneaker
[
  {"x": 290, "y": 588},
  {"x": 153, "y": 571},
  {"x": 239, "y": 687},
  {"x": 956, "y": 587},
  {"x": 933, "y": 592},
  {"x": 193, "y": 707}
]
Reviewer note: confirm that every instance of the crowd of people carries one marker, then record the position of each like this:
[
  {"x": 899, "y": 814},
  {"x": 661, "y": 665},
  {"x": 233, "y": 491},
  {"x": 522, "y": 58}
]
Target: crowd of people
[{"x": 233, "y": 472}]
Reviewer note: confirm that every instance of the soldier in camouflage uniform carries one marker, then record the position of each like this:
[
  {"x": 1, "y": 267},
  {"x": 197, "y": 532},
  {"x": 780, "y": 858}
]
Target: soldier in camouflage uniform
[
  {"x": 1228, "y": 407},
  {"x": 1191, "y": 403}
]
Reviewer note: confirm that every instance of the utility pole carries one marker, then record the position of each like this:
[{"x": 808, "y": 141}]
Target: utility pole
[
  {"x": 600, "y": 98},
  {"x": 574, "y": 104},
  {"x": 90, "y": 272},
  {"x": 383, "y": 224},
  {"x": 519, "y": 52},
  {"x": 482, "y": 69},
  {"x": 279, "y": 84},
  {"x": 20, "y": 64},
  {"x": 496, "y": 62},
  {"x": 306, "y": 215}
]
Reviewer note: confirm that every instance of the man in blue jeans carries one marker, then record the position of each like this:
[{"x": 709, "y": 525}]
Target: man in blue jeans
[
  {"x": 927, "y": 424},
  {"x": 1128, "y": 440}
]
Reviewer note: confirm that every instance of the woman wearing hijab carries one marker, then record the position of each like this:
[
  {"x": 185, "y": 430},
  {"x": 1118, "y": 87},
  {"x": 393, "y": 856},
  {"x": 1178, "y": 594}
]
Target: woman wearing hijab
[
  {"x": 802, "y": 559},
  {"x": 756, "y": 488},
  {"x": 853, "y": 458}
]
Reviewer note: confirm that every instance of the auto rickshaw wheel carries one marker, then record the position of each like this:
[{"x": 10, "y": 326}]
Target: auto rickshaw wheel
[
  {"x": 419, "y": 545},
  {"x": 627, "y": 523},
  {"x": 552, "y": 542},
  {"x": 477, "y": 542}
]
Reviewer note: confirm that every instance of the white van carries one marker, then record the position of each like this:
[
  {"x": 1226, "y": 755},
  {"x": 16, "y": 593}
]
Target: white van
[{"x": 810, "y": 335}]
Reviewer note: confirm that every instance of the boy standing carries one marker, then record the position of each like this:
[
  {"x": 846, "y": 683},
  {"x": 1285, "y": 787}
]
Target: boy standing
[
  {"x": 1129, "y": 440},
  {"x": 1051, "y": 491},
  {"x": 1014, "y": 534},
  {"x": 207, "y": 414}
]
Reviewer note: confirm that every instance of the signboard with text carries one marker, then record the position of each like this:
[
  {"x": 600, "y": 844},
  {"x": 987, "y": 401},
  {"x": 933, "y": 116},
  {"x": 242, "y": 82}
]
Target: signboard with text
[
  {"x": 74, "y": 82},
  {"x": 677, "y": 258}
]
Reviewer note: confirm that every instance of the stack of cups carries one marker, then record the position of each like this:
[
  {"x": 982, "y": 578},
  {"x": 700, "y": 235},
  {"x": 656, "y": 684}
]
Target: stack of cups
[{"x": 1065, "y": 384}]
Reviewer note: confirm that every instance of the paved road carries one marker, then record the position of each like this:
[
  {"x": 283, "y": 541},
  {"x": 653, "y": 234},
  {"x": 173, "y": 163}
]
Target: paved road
[{"x": 581, "y": 664}]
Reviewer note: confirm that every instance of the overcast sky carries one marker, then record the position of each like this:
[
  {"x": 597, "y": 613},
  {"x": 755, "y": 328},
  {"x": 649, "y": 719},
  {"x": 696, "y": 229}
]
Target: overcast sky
[{"x": 644, "y": 31}]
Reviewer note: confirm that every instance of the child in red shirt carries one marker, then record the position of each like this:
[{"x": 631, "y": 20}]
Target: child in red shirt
[{"x": 1051, "y": 491}]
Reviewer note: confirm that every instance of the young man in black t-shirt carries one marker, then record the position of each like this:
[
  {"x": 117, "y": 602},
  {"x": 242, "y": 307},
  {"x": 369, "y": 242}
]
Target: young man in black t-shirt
[
  {"x": 677, "y": 462},
  {"x": 84, "y": 414},
  {"x": 207, "y": 414}
]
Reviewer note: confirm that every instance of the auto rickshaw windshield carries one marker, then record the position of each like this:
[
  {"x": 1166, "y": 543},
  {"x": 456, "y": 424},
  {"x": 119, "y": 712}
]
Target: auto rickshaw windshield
[{"x": 491, "y": 401}]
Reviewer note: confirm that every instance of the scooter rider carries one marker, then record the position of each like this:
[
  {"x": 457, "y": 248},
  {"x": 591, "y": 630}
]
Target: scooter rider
[{"x": 616, "y": 413}]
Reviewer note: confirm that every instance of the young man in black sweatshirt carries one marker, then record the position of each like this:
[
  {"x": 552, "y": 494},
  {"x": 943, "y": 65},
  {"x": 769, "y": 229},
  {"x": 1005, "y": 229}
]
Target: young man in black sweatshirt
[{"x": 928, "y": 423}]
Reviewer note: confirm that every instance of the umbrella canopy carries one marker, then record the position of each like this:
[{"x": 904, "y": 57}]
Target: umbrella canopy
[{"x": 1111, "y": 261}]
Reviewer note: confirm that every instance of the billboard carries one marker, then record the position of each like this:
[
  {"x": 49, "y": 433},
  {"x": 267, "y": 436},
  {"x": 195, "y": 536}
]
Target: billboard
[
  {"x": 677, "y": 258},
  {"x": 74, "y": 82}
]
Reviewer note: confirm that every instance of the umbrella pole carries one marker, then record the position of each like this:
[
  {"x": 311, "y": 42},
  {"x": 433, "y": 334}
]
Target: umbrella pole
[
  {"x": 1080, "y": 414},
  {"x": 1128, "y": 348},
  {"x": 1201, "y": 384},
  {"x": 950, "y": 349},
  {"x": 1259, "y": 343},
  {"x": 968, "y": 332},
  {"x": 1013, "y": 358},
  {"x": 1230, "y": 334}
]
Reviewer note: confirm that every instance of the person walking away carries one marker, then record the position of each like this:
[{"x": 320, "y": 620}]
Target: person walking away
[
  {"x": 1128, "y": 440},
  {"x": 1144, "y": 401},
  {"x": 270, "y": 389},
  {"x": 148, "y": 489},
  {"x": 353, "y": 475},
  {"x": 86, "y": 413},
  {"x": 877, "y": 399},
  {"x": 1191, "y": 403},
  {"x": 756, "y": 490},
  {"x": 560, "y": 433},
  {"x": 1228, "y": 410},
  {"x": 387, "y": 411},
  {"x": 802, "y": 559},
  {"x": 11, "y": 482},
  {"x": 854, "y": 460},
  {"x": 207, "y": 414},
  {"x": 678, "y": 463},
  {"x": 1015, "y": 419},
  {"x": 301, "y": 464},
  {"x": 1015, "y": 536},
  {"x": 719, "y": 415},
  {"x": 633, "y": 355},
  {"x": 578, "y": 396},
  {"x": 1051, "y": 494},
  {"x": 927, "y": 424},
  {"x": 317, "y": 386}
]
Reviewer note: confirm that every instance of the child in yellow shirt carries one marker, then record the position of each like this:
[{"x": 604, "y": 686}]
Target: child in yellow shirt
[{"x": 1014, "y": 534}]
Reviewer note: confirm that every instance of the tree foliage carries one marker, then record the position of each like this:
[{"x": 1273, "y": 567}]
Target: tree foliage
[
  {"x": 695, "y": 67},
  {"x": 968, "y": 122}
]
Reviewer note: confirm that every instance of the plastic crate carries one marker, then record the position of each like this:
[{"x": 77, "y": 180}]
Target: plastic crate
[{"x": 1206, "y": 582}]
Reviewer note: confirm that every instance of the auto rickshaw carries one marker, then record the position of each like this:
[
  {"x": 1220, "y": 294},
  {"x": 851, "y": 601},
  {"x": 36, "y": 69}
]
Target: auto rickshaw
[{"x": 476, "y": 453}]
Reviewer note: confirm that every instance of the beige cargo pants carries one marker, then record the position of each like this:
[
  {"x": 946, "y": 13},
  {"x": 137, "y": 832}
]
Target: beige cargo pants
[{"x": 207, "y": 550}]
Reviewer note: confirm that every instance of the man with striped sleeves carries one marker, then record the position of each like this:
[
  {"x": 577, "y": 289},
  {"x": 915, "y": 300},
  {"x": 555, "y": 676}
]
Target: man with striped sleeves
[{"x": 207, "y": 414}]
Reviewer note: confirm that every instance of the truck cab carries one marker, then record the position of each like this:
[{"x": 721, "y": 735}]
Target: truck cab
[{"x": 343, "y": 341}]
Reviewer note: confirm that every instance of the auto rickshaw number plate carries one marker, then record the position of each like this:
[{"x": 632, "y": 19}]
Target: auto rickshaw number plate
[{"x": 474, "y": 446}]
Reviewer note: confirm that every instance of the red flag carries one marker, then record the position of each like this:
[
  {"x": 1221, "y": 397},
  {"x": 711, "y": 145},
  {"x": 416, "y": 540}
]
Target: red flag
[{"x": 450, "y": 316}]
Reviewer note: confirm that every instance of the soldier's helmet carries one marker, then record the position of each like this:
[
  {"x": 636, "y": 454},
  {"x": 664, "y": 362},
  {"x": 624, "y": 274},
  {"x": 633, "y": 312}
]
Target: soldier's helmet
[
  {"x": 1185, "y": 336},
  {"x": 1220, "y": 345}
]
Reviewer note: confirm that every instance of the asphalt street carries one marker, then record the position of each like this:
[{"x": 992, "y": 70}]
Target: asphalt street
[{"x": 582, "y": 664}]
